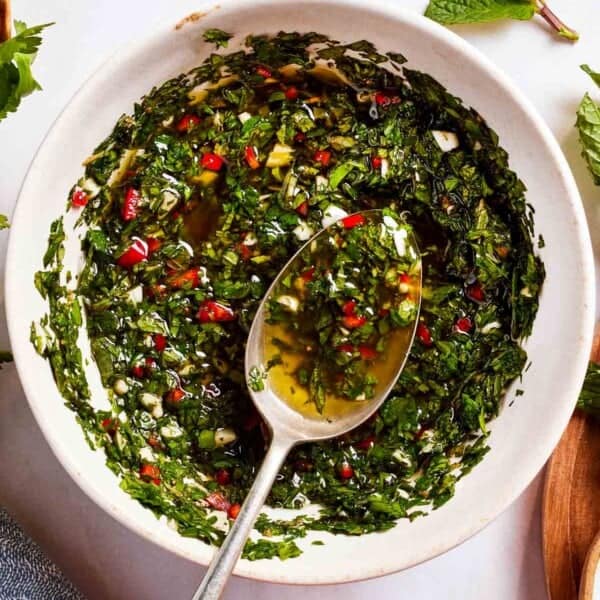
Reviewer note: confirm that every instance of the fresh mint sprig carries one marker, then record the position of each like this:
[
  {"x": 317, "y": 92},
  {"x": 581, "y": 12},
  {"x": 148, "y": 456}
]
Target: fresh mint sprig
[
  {"x": 16, "y": 57},
  {"x": 588, "y": 125},
  {"x": 454, "y": 12}
]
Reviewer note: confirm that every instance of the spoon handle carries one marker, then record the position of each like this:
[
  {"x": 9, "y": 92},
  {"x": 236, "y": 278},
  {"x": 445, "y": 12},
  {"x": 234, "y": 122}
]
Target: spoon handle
[{"x": 222, "y": 564}]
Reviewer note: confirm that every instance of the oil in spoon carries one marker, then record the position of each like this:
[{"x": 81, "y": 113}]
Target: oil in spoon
[{"x": 342, "y": 312}]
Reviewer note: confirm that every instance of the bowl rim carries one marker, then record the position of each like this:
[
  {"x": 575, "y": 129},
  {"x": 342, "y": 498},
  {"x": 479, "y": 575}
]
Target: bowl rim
[{"x": 428, "y": 28}]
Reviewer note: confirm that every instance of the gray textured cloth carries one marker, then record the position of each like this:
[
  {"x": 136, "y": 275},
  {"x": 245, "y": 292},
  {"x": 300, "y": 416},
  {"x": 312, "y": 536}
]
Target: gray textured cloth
[{"x": 25, "y": 572}]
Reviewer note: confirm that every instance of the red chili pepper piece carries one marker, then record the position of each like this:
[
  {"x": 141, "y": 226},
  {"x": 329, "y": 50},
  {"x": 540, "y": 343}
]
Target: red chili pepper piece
[
  {"x": 346, "y": 471},
  {"x": 154, "y": 441},
  {"x": 150, "y": 364},
  {"x": 322, "y": 156},
  {"x": 187, "y": 279},
  {"x": 79, "y": 198},
  {"x": 137, "y": 371},
  {"x": 353, "y": 221},
  {"x": 153, "y": 244},
  {"x": 308, "y": 274},
  {"x": 244, "y": 251},
  {"x": 291, "y": 93},
  {"x": 424, "y": 335},
  {"x": 218, "y": 501},
  {"x": 213, "y": 312},
  {"x": 463, "y": 325},
  {"x": 234, "y": 511},
  {"x": 366, "y": 444},
  {"x": 110, "y": 425},
  {"x": 300, "y": 137},
  {"x": 150, "y": 473},
  {"x": 383, "y": 99},
  {"x": 376, "y": 162},
  {"x": 263, "y": 71},
  {"x": 475, "y": 292},
  {"x": 160, "y": 342},
  {"x": 137, "y": 252},
  {"x": 502, "y": 251},
  {"x": 212, "y": 161},
  {"x": 251, "y": 157},
  {"x": 131, "y": 203},
  {"x": 345, "y": 348},
  {"x": 349, "y": 307},
  {"x": 175, "y": 396},
  {"x": 383, "y": 312},
  {"x": 367, "y": 352},
  {"x": 302, "y": 210},
  {"x": 404, "y": 278},
  {"x": 354, "y": 321},
  {"x": 223, "y": 477},
  {"x": 187, "y": 122}
]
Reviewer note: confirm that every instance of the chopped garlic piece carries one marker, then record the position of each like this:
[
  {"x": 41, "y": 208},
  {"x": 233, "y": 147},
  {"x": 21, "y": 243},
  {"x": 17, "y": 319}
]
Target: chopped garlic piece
[
  {"x": 303, "y": 231},
  {"x": 153, "y": 403},
  {"x": 446, "y": 140},
  {"x": 290, "y": 302},
  {"x": 120, "y": 387},
  {"x": 224, "y": 436},
  {"x": 136, "y": 295},
  {"x": 146, "y": 454},
  {"x": 332, "y": 214}
]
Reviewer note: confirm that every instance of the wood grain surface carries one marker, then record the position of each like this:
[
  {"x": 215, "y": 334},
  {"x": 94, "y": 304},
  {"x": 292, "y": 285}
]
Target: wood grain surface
[
  {"x": 571, "y": 506},
  {"x": 5, "y": 20}
]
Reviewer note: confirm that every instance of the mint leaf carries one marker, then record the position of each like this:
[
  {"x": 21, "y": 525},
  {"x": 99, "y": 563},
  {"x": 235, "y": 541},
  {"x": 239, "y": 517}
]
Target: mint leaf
[
  {"x": 450, "y": 12},
  {"x": 16, "y": 56},
  {"x": 589, "y": 397},
  {"x": 593, "y": 74},
  {"x": 588, "y": 124}
]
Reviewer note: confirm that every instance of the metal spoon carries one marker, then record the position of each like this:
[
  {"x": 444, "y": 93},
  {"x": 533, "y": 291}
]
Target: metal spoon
[{"x": 289, "y": 427}]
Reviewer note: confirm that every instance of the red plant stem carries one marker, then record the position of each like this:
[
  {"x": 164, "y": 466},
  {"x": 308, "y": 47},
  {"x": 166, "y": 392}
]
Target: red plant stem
[{"x": 563, "y": 30}]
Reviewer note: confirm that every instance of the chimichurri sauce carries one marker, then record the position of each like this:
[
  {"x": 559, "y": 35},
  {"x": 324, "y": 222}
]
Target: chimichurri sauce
[
  {"x": 193, "y": 204},
  {"x": 342, "y": 314}
]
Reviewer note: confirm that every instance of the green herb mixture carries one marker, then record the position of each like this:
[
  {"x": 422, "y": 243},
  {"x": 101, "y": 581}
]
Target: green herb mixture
[
  {"x": 194, "y": 203},
  {"x": 338, "y": 321}
]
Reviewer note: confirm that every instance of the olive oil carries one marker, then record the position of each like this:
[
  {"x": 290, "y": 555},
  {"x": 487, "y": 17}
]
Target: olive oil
[
  {"x": 333, "y": 336},
  {"x": 283, "y": 380}
]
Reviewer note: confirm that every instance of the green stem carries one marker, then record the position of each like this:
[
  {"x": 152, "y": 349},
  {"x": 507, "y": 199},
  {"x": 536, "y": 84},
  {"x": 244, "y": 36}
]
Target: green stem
[{"x": 563, "y": 30}]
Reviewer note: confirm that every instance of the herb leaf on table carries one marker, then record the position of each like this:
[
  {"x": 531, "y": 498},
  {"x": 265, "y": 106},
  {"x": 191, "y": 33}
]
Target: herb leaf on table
[
  {"x": 454, "y": 12},
  {"x": 588, "y": 124},
  {"x": 450, "y": 12},
  {"x": 16, "y": 57},
  {"x": 589, "y": 397}
]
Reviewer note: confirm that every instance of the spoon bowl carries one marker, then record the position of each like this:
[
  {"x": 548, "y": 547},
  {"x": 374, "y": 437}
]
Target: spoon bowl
[
  {"x": 278, "y": 414},
  {"x": 288, "y": 426}
]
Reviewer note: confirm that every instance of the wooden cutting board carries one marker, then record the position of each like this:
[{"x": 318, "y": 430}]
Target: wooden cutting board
[
  {"x": 5, "y": 20},
  {"x": 571, "y": 503}
]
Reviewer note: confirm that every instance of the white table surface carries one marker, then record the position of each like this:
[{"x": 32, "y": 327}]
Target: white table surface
[{"x": 107, "y": 561}]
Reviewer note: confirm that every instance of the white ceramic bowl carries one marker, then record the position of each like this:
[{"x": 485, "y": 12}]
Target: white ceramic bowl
[{"x": 522, "y": 437}]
